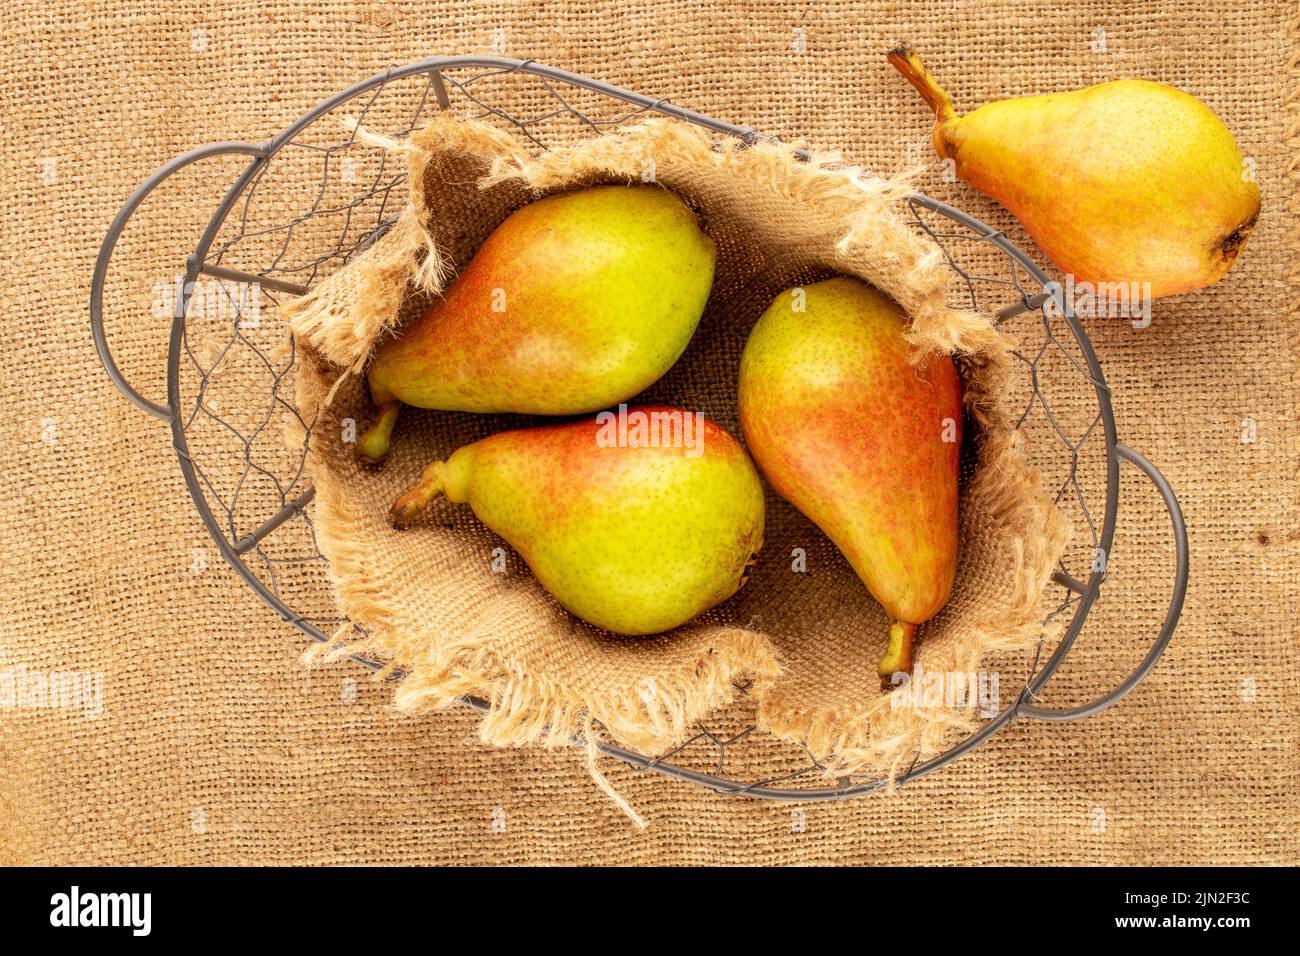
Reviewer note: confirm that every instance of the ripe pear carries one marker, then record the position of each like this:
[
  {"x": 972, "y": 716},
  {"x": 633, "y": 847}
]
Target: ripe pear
[
  {"x": 635, "y": 521},
  {"x": 574, "y": 303},
  {"x": 864, "y": 441},
  {"x": 1129, "y": 181}
]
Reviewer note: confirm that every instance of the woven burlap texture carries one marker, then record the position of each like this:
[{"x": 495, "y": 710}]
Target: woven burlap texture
[
  {"x": 214, "y": 748},
  {"x": 429, "y": 601}
]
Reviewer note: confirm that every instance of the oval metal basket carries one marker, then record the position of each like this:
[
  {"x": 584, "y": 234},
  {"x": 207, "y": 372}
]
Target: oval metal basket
[{"x": 333, "y": 195}]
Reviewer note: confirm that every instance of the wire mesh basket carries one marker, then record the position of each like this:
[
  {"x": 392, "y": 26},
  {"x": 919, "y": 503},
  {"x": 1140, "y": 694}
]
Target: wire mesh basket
[{"x": 314, "y": 196}]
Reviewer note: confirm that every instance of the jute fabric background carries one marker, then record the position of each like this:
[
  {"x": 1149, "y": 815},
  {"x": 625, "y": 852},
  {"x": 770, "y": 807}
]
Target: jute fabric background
[{"x": 213, "y": 746}]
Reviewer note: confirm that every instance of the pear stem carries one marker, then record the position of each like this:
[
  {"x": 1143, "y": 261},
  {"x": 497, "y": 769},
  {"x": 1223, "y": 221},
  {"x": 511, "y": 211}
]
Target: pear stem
[
  {"x": 411, "y": 503},
  {"x": 914, "y": 71},
  {"x": 373, "y": 446},
  {"x": 898, "y": 658}
]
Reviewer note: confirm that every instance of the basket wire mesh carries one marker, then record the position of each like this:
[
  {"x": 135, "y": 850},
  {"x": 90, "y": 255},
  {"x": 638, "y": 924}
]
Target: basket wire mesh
[{"x": 317, "y": 194}]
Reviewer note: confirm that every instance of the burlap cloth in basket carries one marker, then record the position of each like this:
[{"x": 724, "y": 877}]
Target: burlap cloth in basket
[
  {"x": 804, "y": 635},
  {"x": 213, "y": 747}
]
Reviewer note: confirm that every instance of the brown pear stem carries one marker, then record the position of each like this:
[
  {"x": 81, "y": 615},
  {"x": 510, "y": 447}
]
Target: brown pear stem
[
  {"x": 898, "y": 658},
  {"x": 914, "y": 71},
  {"x": 411, "y": 503},
  {"x": 373, "y": 446}
]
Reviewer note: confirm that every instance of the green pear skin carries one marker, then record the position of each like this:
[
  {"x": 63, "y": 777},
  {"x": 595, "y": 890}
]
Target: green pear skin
[
  {"x": 860, "y": 439},
  {"x": 636, "y": 540},
  {"x": 1130, "y": 181},
  {"x": 576, "y": 302}
]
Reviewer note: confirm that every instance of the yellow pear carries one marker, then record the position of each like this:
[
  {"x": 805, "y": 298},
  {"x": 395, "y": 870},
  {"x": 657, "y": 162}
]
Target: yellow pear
[
  {"x": 1130, "y": 181},
  {"x": 576, "y": 302},
  {"x": 863, "y": 439},
  {"x": 636, "y": 522}
]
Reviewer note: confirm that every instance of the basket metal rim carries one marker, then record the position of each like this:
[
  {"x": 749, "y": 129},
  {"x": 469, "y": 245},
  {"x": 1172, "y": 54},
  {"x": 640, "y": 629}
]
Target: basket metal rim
[{"x": 262, "y": 154}]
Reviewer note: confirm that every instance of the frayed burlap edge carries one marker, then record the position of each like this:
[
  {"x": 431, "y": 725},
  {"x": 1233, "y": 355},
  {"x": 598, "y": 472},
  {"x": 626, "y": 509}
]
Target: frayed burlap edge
[
  {"x": 525, "y": 709},
  {"x": 342, "y": 325},
  {"x": 344, "y": 314},
  {"x": 343, "y": 318},
  {"x": 820, "y": 181}
]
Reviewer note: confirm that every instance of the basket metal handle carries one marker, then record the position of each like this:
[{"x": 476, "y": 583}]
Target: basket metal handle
[
  {"x": 1171, "y": 615},
  {"x": 154, "y": 180}
]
